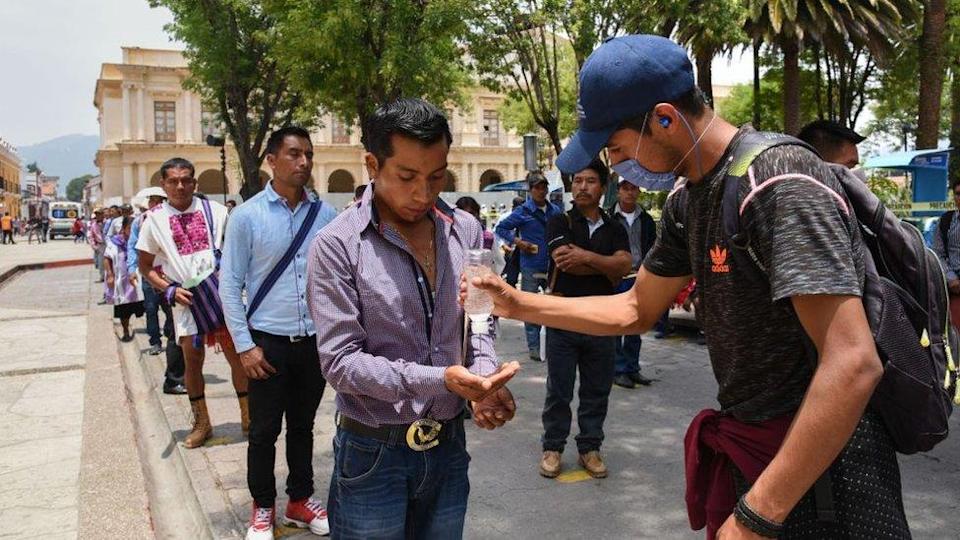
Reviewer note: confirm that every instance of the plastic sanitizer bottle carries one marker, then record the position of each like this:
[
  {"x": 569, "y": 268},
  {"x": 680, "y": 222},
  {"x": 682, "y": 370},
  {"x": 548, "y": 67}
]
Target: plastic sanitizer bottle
[{"x": 478, "y": 304}]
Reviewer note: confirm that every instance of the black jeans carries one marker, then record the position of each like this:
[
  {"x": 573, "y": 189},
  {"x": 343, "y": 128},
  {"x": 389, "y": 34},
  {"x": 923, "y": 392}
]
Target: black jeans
[
  {"x": 593, "y": 356},
  {"x": 8, "y": 237},
  {"x": 295, "y": 390},
  {"x": 175, "y": 363},
  {"x": 151, "y": 304}
]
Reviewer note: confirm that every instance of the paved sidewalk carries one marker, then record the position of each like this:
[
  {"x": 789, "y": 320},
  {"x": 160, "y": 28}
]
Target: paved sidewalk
[
  {"x": 643, "y": 498},
  {"x": 22, "y": 253},
  {"x": 66, "y": 454}
]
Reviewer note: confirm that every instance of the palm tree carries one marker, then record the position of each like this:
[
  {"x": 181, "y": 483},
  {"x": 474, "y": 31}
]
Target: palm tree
[
  {"x": 788, "y": 24},
  {"x": 709, "y": 28}
]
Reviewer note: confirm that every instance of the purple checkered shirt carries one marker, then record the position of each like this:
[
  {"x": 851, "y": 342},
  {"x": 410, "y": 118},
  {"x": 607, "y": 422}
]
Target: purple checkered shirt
[{"x": 383, "y": 341}]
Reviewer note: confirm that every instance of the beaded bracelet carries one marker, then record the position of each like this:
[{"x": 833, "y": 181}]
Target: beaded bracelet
[{"x": 755, "y": 522}]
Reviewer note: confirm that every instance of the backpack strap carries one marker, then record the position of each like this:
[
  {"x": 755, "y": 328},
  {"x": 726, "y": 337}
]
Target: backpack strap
[
  {"x": 284, "y": 261},
  {"x": 945, "y": 221},
  {"x": 208, "y": 214}
]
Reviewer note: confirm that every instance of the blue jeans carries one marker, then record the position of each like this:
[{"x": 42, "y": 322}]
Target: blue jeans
[
  {"x": 151, "y": 304},
  {"x": 628, "y": 347},
  {"x": 591, "y": 356},
  {"x": 532, "y": 284},
  {"x": 382, "y": 491}
]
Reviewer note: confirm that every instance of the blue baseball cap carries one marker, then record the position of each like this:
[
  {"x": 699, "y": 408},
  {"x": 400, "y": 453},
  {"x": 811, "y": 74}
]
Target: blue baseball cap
[{"x": 625, "y": 77}]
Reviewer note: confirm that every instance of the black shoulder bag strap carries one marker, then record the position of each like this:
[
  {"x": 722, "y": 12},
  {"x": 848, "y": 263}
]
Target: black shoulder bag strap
[
  {"x": 284, "y": 261},
  {"x": 945, "y": 221}
]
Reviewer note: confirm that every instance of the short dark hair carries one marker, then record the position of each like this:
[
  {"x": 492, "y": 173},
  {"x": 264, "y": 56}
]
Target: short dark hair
[
  {"x": 692, "y": 103},
  {"x": 413, "y": 118},
  {"x": 176, "y": 163},
  {"x": 599, "y": 167},
  {"x": 358, "y": 191},
  {"x": 277, "y": 137},
  {"x": 827, "y": 135},
  {"x": 468, "y": 204},
  {"x": 518, "y": 201}
]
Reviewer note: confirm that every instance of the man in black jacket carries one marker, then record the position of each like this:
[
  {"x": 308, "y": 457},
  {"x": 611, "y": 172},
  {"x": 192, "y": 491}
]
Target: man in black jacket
[{"x": 642, "y": 232}]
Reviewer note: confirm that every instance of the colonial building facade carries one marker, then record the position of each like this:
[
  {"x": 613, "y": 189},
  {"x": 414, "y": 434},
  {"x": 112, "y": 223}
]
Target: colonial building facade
[
  {"x": 147, "y": 116},
  {"x": 9, "y": 179}
]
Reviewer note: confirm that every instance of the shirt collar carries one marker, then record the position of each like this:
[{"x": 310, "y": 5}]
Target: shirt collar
[
  {"x": 366, "y": 212},
  {"x": 273, "y": 196},
  {"x": 575, "y": 214}
]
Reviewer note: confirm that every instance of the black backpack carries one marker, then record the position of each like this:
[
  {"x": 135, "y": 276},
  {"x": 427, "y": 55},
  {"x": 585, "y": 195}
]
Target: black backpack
[{"x": 905, "y": 297}]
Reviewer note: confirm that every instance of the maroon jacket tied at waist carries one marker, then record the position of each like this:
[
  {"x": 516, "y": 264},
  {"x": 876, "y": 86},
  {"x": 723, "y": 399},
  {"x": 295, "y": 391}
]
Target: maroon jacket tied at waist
[{"x": 714, "y": 441}]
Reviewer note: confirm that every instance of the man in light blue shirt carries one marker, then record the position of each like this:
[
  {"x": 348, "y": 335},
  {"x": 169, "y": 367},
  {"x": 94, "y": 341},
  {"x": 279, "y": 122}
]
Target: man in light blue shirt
[{"x": 274, "y": 333}]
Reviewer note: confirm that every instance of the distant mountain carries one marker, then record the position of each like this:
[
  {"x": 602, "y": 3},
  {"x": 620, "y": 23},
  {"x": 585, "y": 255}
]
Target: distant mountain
[{"x": 68, "y": 157}]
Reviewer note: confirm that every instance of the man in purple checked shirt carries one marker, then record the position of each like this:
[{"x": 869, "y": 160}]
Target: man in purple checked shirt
[{"x": 383, "y": 282}]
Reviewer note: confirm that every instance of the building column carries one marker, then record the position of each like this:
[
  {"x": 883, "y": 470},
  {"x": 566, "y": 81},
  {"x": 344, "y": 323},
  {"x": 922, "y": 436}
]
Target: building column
[
  {"x": 464, "y": 180},
  {"x": 142, "y": 180},
  {"x": 125, "y": 108},
  {"x": 127, "y": 182},
  {"x": 474, "y": 183},
  {"x": 141, "y": 114},
  {"x": 187, "y": 118}
]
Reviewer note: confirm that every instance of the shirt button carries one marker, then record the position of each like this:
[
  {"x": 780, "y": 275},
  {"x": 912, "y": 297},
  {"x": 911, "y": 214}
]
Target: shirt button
[
  {"x": 436, "y": 349},
  {"x": 301, "y": 297},
  {"x": 299, "y": 276}
]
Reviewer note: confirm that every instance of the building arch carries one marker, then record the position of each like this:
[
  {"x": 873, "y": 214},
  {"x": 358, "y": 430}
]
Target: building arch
[
  {"x": 340, "y": 181},
  {"x": 210, "y": 182},
  {"x": 451, "y": 184},
  {"x": 490, "y": 177}
]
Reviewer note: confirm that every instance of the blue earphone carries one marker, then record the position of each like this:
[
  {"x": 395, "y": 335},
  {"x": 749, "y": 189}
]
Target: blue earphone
[{"x": 665, "y": 121}]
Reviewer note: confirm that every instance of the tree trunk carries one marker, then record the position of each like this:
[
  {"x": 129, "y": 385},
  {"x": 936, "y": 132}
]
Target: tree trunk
[
  {"x": 756, "y": 83},
  {"x": 931, "y": 73},
  {"x": 705, "y": 75},
  {"x": 250, "y": 169},
  {"x": 954, "y": 162},
  {"x": 791, "y": 85},
  {"x": 818, "y": 86}
]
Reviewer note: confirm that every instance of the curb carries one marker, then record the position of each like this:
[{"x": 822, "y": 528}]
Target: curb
[
  {"x": 12, "y": 272},
  {"x": 175, "y": 508}
]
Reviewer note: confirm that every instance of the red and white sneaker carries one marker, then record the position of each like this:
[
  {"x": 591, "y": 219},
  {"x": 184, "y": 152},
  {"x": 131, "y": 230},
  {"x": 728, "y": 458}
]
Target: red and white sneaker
[
  {"x": 307, "y": 513},
  {"x": 261, "y": 524}
]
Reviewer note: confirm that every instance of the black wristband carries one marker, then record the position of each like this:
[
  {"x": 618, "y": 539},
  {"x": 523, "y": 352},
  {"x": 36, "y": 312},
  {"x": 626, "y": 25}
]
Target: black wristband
[{"x": 755, "y": 522}]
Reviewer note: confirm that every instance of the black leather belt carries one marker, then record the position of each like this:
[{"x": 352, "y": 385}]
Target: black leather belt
[{"x": 420, "y": 435}]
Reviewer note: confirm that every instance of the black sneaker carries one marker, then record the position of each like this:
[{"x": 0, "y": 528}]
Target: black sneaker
[
  {"x": 176, "y": 390},
  {"x": 624, "y": 381},
  {"x": 155, "y": 350},
  {"x": 535, "y": 356},
  {"x": 639, "y": 379}
]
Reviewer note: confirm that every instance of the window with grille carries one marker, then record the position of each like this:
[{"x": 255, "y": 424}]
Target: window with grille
[
  {"x": 339, "y": 134},
  {"x": 491, "y": 128},
  {"x": 165, "y": 121}
]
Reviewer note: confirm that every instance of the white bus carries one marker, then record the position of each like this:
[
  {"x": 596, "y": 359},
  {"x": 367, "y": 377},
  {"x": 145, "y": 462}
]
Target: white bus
[{"x": 62, "y": 215}]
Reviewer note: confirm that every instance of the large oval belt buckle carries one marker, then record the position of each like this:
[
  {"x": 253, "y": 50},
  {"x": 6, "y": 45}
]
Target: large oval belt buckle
[{"x": 423, "y": 434}]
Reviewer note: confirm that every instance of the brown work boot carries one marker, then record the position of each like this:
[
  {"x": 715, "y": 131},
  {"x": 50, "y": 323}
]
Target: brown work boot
[
  {"x": 593, "y": 464},
  {"x": 202, "y": 430},
  {"x": 244, "y": 413},
  {"x": 550, "y": 464}
]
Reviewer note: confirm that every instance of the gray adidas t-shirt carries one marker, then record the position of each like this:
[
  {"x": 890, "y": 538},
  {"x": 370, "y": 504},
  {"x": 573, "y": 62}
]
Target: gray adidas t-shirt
[{"x": 805, "y": 242}]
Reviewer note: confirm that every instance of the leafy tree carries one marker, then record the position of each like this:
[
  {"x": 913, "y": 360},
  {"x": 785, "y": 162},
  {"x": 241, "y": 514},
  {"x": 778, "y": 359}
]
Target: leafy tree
[
  {"x": 888, "y": 191},
  {"x": 75, "y": 187},
  {"x": 708, "y": 28},
  {"x": 516, "y": 48},
  {"x": 229, "y": 46},
  {"x": 740, "y": 107},
  {"x": 351, "y": 56},
  {"x": 33, "y": 168}
]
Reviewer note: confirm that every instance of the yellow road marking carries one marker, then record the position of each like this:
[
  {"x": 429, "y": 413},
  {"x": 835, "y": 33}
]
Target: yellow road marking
[{"x": 570, "y": 477}]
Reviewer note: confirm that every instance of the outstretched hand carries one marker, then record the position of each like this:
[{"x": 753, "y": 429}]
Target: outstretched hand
[
  {"x": 504, "y": 296},
  {"x": 460, "y": 381}
]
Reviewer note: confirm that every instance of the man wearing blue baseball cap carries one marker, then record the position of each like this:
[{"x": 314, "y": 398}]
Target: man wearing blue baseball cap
[{"x": 791, "y": 453}]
